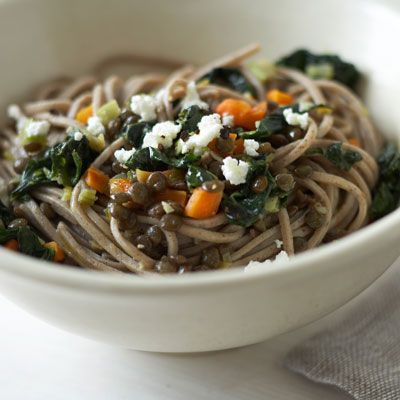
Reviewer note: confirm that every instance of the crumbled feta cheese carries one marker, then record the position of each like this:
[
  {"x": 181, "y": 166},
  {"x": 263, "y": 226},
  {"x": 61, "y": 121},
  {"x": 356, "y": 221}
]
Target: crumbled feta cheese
[
  {"x": 278, "y": 243},
  {"x": 162, "y": 133},
  {"x": 209, "y": 128},
  {"x": 78, "y": 136},
  {"x": 14, "y": 112},
  {"x": 280, "y": 258},
  {"x": 228, "y": 119},
  {"x": 122, "y": 155},
  {"x": 296, "y": 119},
  {"x": 305, "y": 106},
  {"x": 37, "y": 128},
  {"x": 250, "y": 147},
  {"x": 257, "y": 124},
  {"x": 235, "y": 171},
  {"x": 192, "y": 98},
  {"x": 95, "y": 126},
  {"x": 144, "y": 106}
]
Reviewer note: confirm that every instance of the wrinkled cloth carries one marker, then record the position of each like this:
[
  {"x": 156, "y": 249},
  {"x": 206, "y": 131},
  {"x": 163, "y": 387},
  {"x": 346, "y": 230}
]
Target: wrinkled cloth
[{"x": 360, "y": 353}]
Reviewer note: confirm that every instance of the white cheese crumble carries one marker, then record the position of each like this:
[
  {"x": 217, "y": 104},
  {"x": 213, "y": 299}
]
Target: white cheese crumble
[
  {"x": 14, "y": 112},
  {"x": 37, "y": 128},
  {"x": 228, "y": 119},
  {"x": 296, "y": 119},
  {"x": 209, "y": 129},
  {"x": 250, "y": 147},
  {"x": 144, "y": 106},
  {"x": 235, "y": 171},
  {"x": 280, "y": 258},
  {"x": 95, "y": 126},
  {"x": 162, "y": 133},
  {"x": 278, "y": 243},
  {"x": 122, "y": 155},
  {"x": 78, "y": 136},
  {"x": 192, "y": 98}
]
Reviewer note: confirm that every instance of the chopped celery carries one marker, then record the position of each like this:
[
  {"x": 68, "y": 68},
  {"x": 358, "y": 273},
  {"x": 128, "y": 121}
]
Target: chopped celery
[
  {"x": 87, "y": 197},
  {"x": 67, "y": 192},
  {"x": 96, "y": 143},
  {"x": 272, "y": 205},
  {"x": 108, "y": 112},
  {"x": 34, "y": 132},
  {"x": 320, "y": 71},
  {"x": 262, "y": 69}
]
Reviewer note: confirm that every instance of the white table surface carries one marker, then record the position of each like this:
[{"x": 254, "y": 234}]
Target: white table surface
[{"x": 40, "y": 362}]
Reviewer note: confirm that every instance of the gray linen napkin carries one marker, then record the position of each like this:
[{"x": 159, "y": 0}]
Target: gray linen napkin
[{"x": 359, "y": 354}]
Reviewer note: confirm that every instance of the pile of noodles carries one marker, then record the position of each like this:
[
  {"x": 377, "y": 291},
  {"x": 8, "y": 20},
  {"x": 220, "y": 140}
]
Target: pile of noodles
[{"x": 95, "y": 242}]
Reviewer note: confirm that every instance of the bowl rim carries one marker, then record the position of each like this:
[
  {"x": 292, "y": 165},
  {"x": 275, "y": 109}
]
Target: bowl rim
[{"x": 29, "y": 268}]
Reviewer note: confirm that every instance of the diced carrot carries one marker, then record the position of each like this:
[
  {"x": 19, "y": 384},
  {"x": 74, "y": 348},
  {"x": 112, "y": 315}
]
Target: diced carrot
[
  {"x": 59, "y": 255},
  {"x": 354, "y": 142},
  {"x": 279, "y": 97},
  {"x": 84, "y": 114},
  {"x": 255, "y": 114},
  {"x": 242, "y": 112},
  {"x": 179, "y": 196},
  {"x": 12, "y": 244},
  {"x": 239, "y": 146},
  {"x": 97, "y": 180},
  {"x": 120, "y": 185},
  {"x": 142, "y": 175},
  {"x": 203, "y": 204},
  {"x": 237, "y": 108}
]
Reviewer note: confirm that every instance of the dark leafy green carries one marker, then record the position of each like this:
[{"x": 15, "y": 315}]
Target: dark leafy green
[
  {"x": 151, "y": 159},
  {"x": 245, "y": 207},
  {"x": 64, "y": 164},
  {"x": 28, "y": 242},
  {"x": 5, "y": 215},
  {"x": 386, "y": 195},
  {"x": 134, "y": 133},
  {"x": 344, "y": 72},
  {"x": 196, "y": 176},
  {"x": 271, "y": 124},
  {"x": 343, "y": 159},
  {"x": 231, "y": 78},
  {"x": 189, "y": 118}
]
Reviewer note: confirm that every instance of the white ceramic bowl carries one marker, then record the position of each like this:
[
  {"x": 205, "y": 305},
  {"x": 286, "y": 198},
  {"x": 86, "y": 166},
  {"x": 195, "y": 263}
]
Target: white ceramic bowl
[{"x": 209, "y": 311}]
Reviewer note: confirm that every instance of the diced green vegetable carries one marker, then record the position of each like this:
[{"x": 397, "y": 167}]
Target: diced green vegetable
[
  {"x": 67, "y": 193},
  {"x": 262, "y": 69},
  {"x": 87, "y": 197},
  {"x": 27, "y": 138},
  {"x": 272, "y": 205},
  {"x": 96, "y": 143},
  {"x": 320, "y": 71},
  {"x": 108, "y": 112}
]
